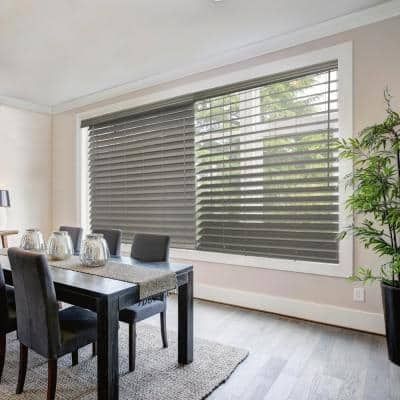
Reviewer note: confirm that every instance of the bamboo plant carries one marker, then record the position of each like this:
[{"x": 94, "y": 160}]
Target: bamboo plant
[{"x": 376, "y": 194}]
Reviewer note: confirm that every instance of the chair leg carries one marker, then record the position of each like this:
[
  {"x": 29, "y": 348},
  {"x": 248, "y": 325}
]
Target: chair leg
[
  {"x": 132, "y": 347},
  {"x": 23, "y": 362},
  {"x": 163, "y": 321},
  {"x": 2, "y": 353},
  {"x": 75, "y": 357},
  {"x": 94, "y": 349},
  {"x": 51, "y": 379}
]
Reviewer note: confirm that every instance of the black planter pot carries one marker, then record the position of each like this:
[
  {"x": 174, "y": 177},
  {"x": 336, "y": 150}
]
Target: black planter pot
[{"x": 391, "y": 310}]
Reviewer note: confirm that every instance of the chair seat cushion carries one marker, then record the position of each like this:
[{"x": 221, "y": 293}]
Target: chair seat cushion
[
  {"x": 12, "y": 319},
  {"x": 10, "y": 294},
  {"x": 78, "y": 328},
  {"x": 141, "y": 311},
  {"x": 11, "y": 323}
]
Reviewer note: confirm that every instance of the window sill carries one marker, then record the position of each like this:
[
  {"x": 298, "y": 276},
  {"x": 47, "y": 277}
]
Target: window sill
[
  {"x": 344, "y": 269},
  {"x": 307, "y": 267}
]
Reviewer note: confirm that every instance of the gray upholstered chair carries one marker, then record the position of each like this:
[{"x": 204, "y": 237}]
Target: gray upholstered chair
[
  {"x": 113, "y": 239},
  {"x": 41, "y": 326},
  {"x": 76, "y": 236},
  {"x": 147, "y": 248},
  {"x": 8, "y": 320}
]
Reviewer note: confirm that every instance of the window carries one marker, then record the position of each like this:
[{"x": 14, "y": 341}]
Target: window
[
  {"x": 267, "y": 171},
  {"x": 141, "y": 174},
  {"x": 246, "y": 169}
]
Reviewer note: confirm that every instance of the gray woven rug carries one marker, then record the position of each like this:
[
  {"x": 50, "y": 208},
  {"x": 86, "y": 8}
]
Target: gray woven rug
[{"x": 157, "y": 375}]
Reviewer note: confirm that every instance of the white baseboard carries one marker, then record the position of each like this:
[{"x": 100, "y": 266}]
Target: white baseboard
[{"x": 324, "y": 313}]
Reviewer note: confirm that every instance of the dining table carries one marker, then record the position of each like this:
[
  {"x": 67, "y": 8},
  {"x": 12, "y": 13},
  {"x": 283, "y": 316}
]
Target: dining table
[{"x": 107, "y": 297}]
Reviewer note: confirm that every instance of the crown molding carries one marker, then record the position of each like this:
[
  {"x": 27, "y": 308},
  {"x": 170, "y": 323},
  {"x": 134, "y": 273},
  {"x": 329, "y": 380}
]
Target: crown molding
[
  {"x": 25, "y": 105},
  {"x": 331, "y": 27}
]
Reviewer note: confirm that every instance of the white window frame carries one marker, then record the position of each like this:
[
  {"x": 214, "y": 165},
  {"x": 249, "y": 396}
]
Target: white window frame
[{"x": 343, "y": 53}]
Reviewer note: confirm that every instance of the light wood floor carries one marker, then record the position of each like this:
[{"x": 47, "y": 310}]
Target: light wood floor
[{"x": 294, "y": 360}]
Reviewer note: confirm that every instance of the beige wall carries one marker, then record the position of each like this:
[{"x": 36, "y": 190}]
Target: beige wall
[
  {"x": 376, "y": 64},
  {"x": 26, "y": 168}
]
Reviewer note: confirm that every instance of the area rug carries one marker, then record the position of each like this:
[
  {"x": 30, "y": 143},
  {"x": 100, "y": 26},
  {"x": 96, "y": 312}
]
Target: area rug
[{"x": 157, "y": 376}]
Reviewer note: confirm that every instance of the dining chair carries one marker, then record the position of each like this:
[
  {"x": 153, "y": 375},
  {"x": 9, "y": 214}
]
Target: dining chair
[
  {"x": 8, "y": 320},
  {"x": 146, "y": 248},
  {"x": 113, "y": 239},
  {"x": 76, "y": 236},
  {"x": 41, "y": 326}
]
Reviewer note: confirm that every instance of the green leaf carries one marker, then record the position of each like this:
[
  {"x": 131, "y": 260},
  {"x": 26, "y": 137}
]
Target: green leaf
[{"x": 375, "y": 181}]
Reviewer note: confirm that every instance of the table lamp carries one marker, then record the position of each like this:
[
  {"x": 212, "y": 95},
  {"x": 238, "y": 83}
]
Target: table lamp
[{"x": 4, "y": 202}]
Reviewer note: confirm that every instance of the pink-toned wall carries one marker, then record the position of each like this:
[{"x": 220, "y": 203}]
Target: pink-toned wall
[{"x": 376, "y": 65}]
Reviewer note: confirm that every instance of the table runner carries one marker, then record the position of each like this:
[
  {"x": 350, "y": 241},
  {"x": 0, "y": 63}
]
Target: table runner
[{"x": 151, "y": 280}]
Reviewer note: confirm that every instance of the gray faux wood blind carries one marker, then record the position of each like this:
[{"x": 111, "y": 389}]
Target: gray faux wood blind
[
  {"x": 141, "y": 174},
  {"x": 267, "y": 168}
]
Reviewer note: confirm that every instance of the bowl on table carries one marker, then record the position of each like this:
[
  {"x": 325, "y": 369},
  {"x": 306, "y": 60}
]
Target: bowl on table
[
  {"x": 94, "y": 251},
  {"x": 59, "y": 246},
  {"x": 32, "y": 240}
]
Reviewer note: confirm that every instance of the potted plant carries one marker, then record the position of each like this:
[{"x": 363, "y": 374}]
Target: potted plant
[{"x": 376, "y": 200}]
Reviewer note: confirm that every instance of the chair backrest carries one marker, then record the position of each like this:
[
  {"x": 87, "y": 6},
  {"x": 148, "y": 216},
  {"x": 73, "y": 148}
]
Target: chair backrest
[
  {"x": 150, "y": 248},
  {"x": 38, "y": 325},
  {"x": 113, "y": 239},
  {"x": 76, "y": 236},
  {"x": 3, "y": 304}
]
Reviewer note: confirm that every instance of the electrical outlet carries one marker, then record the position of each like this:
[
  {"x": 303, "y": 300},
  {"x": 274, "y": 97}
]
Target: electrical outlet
[{"x": 359, "y": 294}]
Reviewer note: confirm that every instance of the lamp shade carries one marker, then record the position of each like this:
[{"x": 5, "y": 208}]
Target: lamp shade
[{"x": 4, "y": 198}]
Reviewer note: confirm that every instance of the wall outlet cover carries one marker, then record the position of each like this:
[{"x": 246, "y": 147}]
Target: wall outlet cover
[{"x": 359, "y": 294}]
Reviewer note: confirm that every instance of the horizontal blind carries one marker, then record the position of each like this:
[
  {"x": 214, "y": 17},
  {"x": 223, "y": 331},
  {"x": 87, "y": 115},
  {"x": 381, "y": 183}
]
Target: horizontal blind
[
  {"x": 267, "y": 169},
  {"x": 141, "y": 174}
]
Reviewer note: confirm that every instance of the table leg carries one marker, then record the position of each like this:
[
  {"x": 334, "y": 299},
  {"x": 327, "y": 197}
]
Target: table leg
[
  {"x": 4, "y": 241},
  {"x": 107, "y": 349},
  {"x": 185, "y": 321}
]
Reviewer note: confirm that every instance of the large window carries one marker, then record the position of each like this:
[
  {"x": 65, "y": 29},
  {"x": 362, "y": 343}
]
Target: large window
[
  {"x": 141, "y": 174},
  {"x": 267, "y": 170},
  {"x": 247, "y": 169}
]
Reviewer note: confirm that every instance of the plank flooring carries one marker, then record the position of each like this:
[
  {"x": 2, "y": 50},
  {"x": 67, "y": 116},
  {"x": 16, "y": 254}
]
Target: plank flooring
[{"x": 294, "y": 360}]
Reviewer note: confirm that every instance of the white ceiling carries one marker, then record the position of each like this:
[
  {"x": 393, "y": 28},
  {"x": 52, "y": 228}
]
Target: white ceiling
[{"x": 52, "y": 52}]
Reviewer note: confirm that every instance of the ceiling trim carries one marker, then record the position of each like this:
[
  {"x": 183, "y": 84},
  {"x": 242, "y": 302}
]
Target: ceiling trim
[
  {"x": 25, "y": 105},
  {"x": 331, "y": 27}
]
